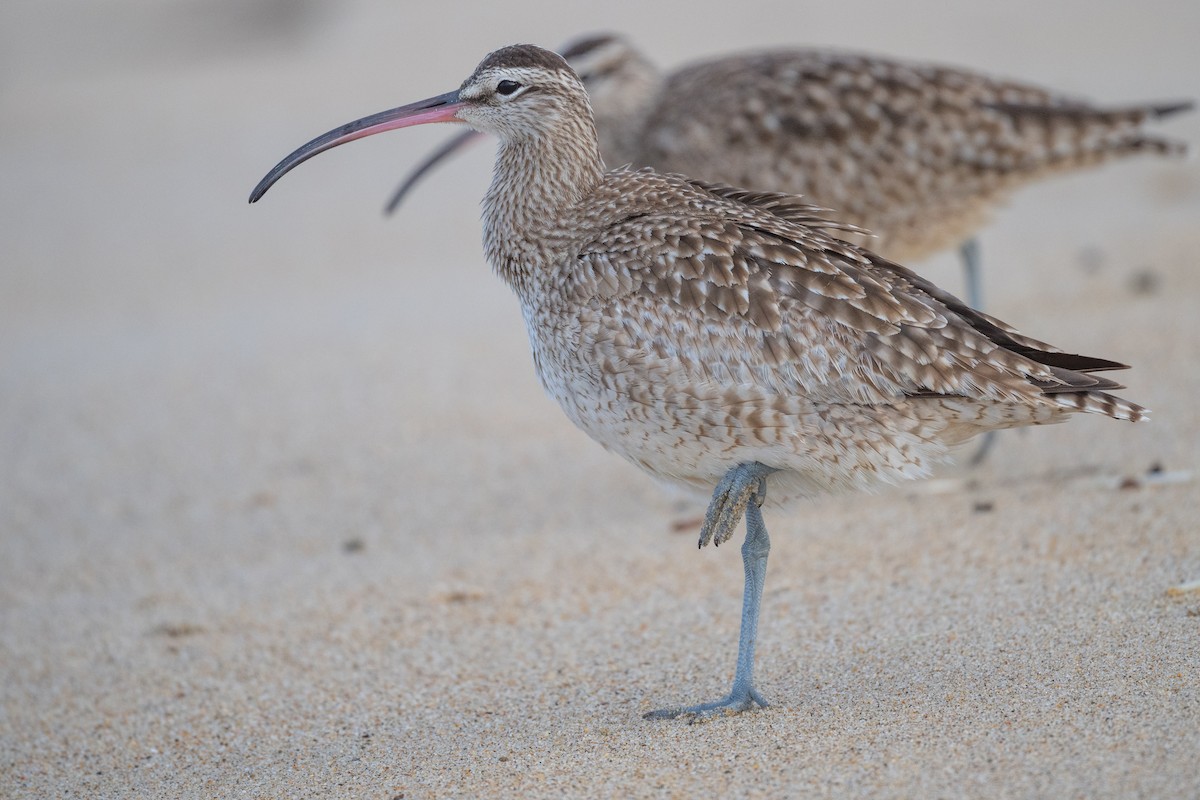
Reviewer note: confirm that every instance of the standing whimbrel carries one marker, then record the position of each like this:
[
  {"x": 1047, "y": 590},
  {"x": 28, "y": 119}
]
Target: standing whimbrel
[
  {"x": 916, "y": 154},
  {"x": 718, "y": 337}
]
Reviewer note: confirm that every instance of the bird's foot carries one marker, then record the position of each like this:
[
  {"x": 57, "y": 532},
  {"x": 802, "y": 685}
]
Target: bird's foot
[
  {"x": 729, "y": 500},
  {"x": 735, "y": 702}
]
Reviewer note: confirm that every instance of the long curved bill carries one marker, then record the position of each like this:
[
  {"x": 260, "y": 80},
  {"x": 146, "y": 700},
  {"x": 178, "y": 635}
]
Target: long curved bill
[
  {"x": 436, "y": 157},
  {"x": 436, "y": 109}
]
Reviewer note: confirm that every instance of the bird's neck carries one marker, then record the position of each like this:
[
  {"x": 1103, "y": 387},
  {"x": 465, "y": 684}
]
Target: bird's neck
[{"x": 530, "y": 212}]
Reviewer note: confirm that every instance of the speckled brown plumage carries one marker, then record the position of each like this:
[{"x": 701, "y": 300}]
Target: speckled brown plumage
[
  {"x": 718, "y": 337},
  {"x": 689, "y": 327},
  {"x": 916, "y": 154}
]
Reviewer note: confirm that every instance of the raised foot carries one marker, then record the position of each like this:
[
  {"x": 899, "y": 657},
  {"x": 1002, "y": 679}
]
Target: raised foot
[
  {"x": 735, "y": 703},
  {"x": 729, "y": 501}
]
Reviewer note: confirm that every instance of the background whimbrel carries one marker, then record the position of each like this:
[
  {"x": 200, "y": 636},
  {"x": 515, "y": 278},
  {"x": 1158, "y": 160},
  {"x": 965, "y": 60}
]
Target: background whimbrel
[
  {"x": 916, "y": 154},
  {"x": 717, "y": 337}
]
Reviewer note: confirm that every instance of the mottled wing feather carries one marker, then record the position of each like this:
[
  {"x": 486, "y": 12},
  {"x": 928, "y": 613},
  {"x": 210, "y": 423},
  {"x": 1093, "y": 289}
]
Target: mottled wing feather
[
  {"x": 806, "y": 104},
  {"x": 786, "y": 206},
  {"x": 917, "y": 154},
  {"x": 790, "y": 208},
  {"x": 796, "y": 311}
]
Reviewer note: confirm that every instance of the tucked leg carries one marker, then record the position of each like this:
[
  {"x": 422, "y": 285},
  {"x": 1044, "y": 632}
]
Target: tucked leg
[{"x": 741, "y": 491}]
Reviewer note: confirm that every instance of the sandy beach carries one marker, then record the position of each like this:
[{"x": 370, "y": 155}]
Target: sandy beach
[{"x": 285, "y": 513}]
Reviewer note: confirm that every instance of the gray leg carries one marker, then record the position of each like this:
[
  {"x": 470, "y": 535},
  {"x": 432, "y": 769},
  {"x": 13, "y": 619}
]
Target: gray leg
[
  {"x": 973, "y": 278},
  {"x": 985, "y": 446},
  {"x": 742, "y": 490}
]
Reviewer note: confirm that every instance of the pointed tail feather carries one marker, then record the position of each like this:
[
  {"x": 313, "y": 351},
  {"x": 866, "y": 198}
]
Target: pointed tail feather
[
  {"x": 1102, "y": 403},
  {"x": 1110, "y": 132}
]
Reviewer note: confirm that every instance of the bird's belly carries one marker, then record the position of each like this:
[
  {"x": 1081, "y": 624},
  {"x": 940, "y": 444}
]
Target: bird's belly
[{"x": 691, "y": 433}]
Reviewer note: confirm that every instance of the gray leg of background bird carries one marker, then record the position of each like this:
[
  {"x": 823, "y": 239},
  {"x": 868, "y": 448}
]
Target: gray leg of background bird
[
  {"x": 743, "y": 487},
  {"x": 973, "y": 276},
  {"x": 969, "y": 251},
  {"x": 985, "y": 447}
]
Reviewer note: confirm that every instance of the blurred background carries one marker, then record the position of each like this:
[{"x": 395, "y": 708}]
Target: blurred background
[
  {"x": 166, "y": 349},
  {"x": 132, "y": 130},
  {"x": 209, "y": 409}
]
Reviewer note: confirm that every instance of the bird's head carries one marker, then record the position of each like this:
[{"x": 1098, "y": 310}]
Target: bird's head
[
  {"x": 522, "y": 92},
  {"x": 620, "y": 82}
]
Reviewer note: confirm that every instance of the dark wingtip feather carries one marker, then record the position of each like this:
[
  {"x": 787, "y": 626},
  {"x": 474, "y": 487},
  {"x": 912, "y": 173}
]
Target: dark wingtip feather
[
  {"x": 1074, "y": 380},
  {"x": 1068, "y": 361}
]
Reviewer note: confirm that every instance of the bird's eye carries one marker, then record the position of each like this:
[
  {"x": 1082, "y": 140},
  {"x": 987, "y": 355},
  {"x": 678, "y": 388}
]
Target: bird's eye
[{"x": 507, "y": 87}]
